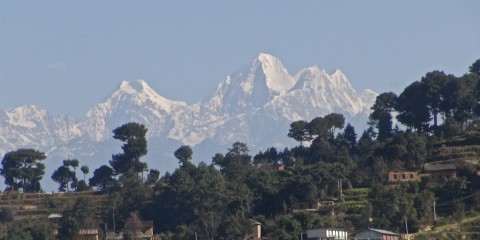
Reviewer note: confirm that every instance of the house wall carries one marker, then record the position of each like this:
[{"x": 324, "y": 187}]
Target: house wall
[
  {"x": 333, "y": 233},
  {"x": 389, "y": 237},
  {"x": 312, "y": 233},
  {"x": 258, "y": 231},
  {"x": 449, "y": 174},
  {"x": 368, "y": 235},
  {"x": 402, "y": 177},
  {"x": 372, "y": 235}
]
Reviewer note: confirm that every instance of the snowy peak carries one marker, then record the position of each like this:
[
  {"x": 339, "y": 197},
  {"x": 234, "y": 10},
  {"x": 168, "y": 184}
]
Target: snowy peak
[
  {"x": 251, "y": 87},
  {"x": 142, "y": 93},
  {"x": 26, "y": 116},
  {"x": 134, "y": 101},
  {"x": 311, "y": 76},
  {"x": 276, "y": 75},
  {"x": 135, "y": 86},
  {"x": 315, "y": 89}
]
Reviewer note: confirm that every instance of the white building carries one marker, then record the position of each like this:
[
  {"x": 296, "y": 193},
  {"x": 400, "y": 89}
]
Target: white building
[
  {"x": 377, "y": 234},
  {"x": 326, "y": 234}
]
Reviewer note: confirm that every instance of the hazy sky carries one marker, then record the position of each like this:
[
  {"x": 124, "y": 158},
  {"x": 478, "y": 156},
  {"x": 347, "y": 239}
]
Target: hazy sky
[{"x": 66, "y": 56}]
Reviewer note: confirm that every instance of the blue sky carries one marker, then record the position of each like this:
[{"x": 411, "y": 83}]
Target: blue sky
[{"x": 66, "y": 56}]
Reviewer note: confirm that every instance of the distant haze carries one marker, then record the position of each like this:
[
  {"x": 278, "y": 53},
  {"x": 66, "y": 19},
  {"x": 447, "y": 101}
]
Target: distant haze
[{"x": 66, "y": 56}]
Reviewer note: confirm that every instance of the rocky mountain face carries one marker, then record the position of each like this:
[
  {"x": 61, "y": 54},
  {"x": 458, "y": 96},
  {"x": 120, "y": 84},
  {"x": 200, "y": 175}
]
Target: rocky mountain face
[{"x": 254, "y": 105}]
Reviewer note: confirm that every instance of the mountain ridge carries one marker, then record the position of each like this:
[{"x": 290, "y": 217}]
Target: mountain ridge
[{"x": 254, "y": 105}]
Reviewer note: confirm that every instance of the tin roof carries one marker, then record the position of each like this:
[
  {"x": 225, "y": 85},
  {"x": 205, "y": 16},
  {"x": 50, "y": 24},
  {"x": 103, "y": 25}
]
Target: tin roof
[
  {"x": 55, "y": 215},
  {"x": 439, "y": 167},
  {"x": 385, "y": 232}
]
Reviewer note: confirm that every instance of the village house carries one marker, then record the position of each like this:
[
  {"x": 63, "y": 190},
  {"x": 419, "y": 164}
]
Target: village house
[
  {"x": 440, "y": 171},
  {"x": 376, "y": 234},
  {"x": 402, "y": 176},
  {"x": 84, "y": 234},
  {"x": 434, "y": 171},
  {"x": 326, "y": 234}
]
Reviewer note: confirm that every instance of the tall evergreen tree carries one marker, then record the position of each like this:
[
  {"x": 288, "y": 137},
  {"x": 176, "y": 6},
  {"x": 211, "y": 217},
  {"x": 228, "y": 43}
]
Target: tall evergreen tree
[
  {"x": 465, "y": 98},
  {"x": 381, "y": 116},
  {"x": 236, "y": 163},
  {"x": 103, "y": 178},
  {"x": 350, "y": 137},
  {"x": 22, "y": 169},
  {"x": 475, "y": 67},
  {"x": 299, "y": 132},
  {"x": 64, "y": 175},
  {"x": 412, "y": 107},
  {"x": 85, "y": 170},
  {"x": 183, "y": 154},
  {"x": 134, "y": 137}
]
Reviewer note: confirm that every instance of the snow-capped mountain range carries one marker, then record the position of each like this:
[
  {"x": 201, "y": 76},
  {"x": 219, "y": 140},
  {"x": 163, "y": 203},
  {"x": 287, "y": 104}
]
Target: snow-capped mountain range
[{"x": 254, "y": 105}]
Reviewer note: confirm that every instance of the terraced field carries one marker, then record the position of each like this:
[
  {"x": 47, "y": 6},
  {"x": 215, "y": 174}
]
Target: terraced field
[
  {"x": 31, "y": 208},
  {"x": 469, "y": 229}
]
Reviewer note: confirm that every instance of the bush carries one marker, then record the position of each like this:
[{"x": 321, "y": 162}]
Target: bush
[{"x": 6, "y": 215}]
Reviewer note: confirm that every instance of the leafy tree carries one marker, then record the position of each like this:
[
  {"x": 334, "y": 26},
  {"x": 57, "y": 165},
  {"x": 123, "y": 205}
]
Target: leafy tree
[
  {"x": 6, "y": 214},
  {"x": 451, "y": 128},
  {"x": 80, "y": 215},
  {"x": 153, "y": 176},
  {"x": 22, "y": 169},
  {"x": 265, "y": 185},
  {"x": 85, "y": 170},
  {"x": 44, "y": 230},
  {"x": 319, "y": 128},
  {"x": 350, "y": 137},
  {"x": 72, "y": 163},
  {"x": 103, "y": 178},
  {"x": 321, "y": 150},
  {"x": 133, "y": 193},
  {"x": 184, "y": 154},
  {"x": 18, "y": 232},
  {"x": 270, "y": 156},
  {"x": 299, "y": 132},
  {"x": 134, "y": 137},
  {"x": 82, "y": 186},
  {"x": 381, "y": 116},
  {"x": 433, "y": 83},
  {"x": 410, "y": 148},
  {"x": 412, "y": 107},
  {"x": 236, "y": 163},
  {"x": 235, "y": 227},
  {"x": 423, "y": 203},
  {"x": 310, "y": 220},
  {"x": 334, "y": 121},
  {"x": 288, "y": 228},
  {"x": 465, "y": 98},
  {"x": 475, "y": 67},
  {"x": 63, "y": 175}
]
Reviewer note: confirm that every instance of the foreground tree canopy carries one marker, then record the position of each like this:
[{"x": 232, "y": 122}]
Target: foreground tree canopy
[
  {"x": 22, "y": 169},
  {"x": 134, "y": 137}
]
